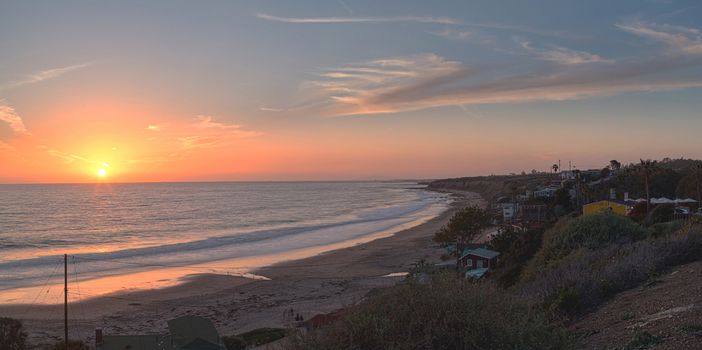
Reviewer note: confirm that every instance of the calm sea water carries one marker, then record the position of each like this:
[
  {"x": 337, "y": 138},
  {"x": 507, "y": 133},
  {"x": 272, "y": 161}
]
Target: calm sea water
[{"x": 122, "y": 228}]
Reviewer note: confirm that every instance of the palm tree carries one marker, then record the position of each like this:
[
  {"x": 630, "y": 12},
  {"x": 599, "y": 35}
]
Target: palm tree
[
  {"x": 697, "y": 168},
  {"x": 578, "y": 187},
  {"x": 646, "y": 169}
]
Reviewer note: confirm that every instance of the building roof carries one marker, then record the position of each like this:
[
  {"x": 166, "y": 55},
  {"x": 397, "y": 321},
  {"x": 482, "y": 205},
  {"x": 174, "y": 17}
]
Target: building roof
[
  {"x": 131, "y": 342},
  {"x": 481, "y": 252},
  {"x": 200, "y": 344},
  {"x": 476, "y": 273},
  {"x": 193, "y": 332},
  {"x": 664, "y": 200},
  {"x": 616, "y": 201}
]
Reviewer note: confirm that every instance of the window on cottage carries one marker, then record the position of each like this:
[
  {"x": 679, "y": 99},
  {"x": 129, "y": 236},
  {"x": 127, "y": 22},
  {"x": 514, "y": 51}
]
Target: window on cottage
[
  {"x": 480, "y": 263},
  {"x": 469, "y": 262}
]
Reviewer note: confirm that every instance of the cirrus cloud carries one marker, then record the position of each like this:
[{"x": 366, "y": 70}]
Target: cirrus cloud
[
  {"x": 13, "y": 120},
  {"x": 43, "y": 75},
  {"x": 396, "y": 84},
  {"x": 205, "y": 132},
  {"x": 678, "y": 38},
  {"x": 563, "y": 55}
]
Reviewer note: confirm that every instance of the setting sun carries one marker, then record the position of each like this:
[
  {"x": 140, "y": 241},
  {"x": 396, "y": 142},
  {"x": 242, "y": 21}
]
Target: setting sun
[{"x": 102, "y": 172}]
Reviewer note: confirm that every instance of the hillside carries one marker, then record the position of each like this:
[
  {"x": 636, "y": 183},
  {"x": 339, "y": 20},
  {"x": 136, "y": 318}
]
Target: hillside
[
  {"x": 491, "y": 187},
  {"x": 663, "y": 314}
]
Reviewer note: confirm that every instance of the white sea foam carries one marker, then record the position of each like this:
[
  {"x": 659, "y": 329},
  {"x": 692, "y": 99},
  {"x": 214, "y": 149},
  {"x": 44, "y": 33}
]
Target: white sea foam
[{"x": 221, "y": 228}]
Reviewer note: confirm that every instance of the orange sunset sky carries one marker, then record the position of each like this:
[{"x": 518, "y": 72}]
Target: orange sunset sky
[{"x": 306, "y": 90}]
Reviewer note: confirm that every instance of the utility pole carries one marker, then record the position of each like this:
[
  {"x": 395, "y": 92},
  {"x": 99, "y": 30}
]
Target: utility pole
[{"x": 65, "y": 298}]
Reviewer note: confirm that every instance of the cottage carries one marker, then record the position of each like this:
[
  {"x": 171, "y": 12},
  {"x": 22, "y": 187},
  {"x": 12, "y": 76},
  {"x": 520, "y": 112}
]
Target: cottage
[
  {"x": 613, "y": 205},
  {"x": 546, "y": 192},
  {"x": 508, "y": 211},
  {"x": 479, "y": 258},
  {"x": 193, "y": 332},
  {"x": 567, "y": 175}
]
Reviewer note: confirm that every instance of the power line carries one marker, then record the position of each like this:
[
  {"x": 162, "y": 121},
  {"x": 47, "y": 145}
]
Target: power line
[
  {"x": 41, "y": 293},
  {"x": 75, "y": 280}
]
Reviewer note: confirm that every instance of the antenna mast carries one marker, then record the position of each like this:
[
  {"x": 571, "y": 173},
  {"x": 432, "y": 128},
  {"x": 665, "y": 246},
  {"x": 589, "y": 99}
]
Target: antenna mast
[{"x": 65, "y": 298}]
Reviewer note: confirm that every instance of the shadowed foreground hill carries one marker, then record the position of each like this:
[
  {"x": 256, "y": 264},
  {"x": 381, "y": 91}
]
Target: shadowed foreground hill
[{"x": 666, "y": 312}]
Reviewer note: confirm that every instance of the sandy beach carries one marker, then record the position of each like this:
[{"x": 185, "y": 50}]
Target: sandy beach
[{"x": 318, "y": 284}]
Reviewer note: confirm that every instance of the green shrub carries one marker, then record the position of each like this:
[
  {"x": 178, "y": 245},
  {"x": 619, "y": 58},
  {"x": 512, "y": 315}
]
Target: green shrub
[
  {"x": 262, "y": 336},
  {"x": 448, "y": 313},
  {"x": 691, "y": 329},
  {"x": 234, "y": 343},
  {"x": 661, "y": 213},
  {"x": 255, "y": 337},
  {"x": 665, "y": 229},
  {"x": 642, "y": 341},
  {"x": 516, "y": 248},
  {"x": 567, "y": 300},
  {"x": 588, "y": 232},
  {"x": 12, "y": 334},
  {"x": 72, "y": 345},
  {"x": 585, "y": 278}
]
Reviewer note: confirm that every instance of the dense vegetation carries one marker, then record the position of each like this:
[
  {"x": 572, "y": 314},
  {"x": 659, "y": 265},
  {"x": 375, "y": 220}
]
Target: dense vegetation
[
  {"x": 12, "y": 334},
  {"x": 583, "y": 232},
  {"x": 516, "y": 249},
  {"x": 572, "y": 268},
  {"x": 585, "y": 260},
  {"x": 252, "y": 338},
  {"x": 447, "y": 313}
]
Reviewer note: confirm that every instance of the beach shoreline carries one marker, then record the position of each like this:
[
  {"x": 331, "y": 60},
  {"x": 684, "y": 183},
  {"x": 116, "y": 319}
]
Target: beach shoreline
[{"x": 318, "y": 284}]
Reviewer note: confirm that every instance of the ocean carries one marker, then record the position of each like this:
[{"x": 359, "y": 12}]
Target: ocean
[{"x": 115, "y": 230}]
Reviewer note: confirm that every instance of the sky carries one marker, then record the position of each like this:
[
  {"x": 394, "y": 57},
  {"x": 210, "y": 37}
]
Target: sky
[{"x": 131, "y": 91}]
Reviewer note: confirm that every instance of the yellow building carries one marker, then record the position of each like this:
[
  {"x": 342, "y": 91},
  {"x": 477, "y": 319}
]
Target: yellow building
[{"x": 615, "y": 206}]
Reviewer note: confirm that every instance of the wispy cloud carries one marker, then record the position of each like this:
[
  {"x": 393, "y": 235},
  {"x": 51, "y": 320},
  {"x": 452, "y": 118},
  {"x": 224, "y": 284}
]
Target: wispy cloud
[
  {"x": 323, "y": 20},
  {"x": 271, "y": 109},
  {"x": 207, "y": 133},
  {"x": 679, "y": 39},
  {"x": 454, "y": 34},
  {"x": 415, "y": 19},
  {"x": 563, "y": 55},
  {"x": 43, "y": 75},
  {"x": 350, "y": 88},
  {"x": 153, "y": 128},
  {"x": 13, "y": 120},
  {"x": 69, "y": 157},
  {"x": 424, "y": 81}
]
